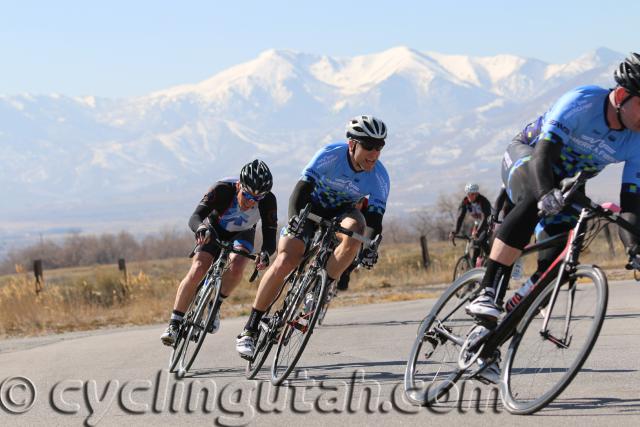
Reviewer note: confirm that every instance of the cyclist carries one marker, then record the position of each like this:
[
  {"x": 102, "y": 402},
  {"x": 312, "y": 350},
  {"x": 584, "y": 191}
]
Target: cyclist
[
  {"x": 586, "y": 129},
  {"x": 479, "y": 208},
  {"x": 229, "y": 211},
  {"x": 335, "y": 179}
]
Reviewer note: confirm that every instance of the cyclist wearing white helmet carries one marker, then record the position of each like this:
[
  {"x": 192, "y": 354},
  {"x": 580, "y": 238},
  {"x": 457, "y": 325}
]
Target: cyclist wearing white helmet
[
  {"x": 229, "y": 211},
  {"x": 337, "y": 177},
  {"x": 586, "y": 129},
  {"x": 479, "y": 208}
]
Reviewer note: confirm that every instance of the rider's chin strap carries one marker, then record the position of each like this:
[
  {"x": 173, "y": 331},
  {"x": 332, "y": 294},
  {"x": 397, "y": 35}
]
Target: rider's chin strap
[{"x": 618, "y": 115}]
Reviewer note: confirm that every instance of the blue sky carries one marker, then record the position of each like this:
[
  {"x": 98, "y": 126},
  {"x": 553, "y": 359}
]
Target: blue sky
[{"x": 123, "y": 48}]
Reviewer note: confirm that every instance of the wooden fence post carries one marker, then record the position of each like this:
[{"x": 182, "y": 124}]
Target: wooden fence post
[
  {"x": 122, "y": 266},
  {"x": 37, "y": 272},
  {"x": 426, "y": 261}
]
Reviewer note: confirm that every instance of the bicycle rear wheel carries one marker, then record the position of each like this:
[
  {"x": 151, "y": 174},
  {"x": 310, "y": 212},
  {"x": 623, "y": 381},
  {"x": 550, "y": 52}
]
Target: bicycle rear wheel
[
  {"x": 298, "y": 326},
  {"x": 197, "y": 326},
  {"x": 432, "y": 368},
  {"x": 332, "y": 292},
  {"x": 539, "y": 367},
  {"x": 462, "y": 265}
]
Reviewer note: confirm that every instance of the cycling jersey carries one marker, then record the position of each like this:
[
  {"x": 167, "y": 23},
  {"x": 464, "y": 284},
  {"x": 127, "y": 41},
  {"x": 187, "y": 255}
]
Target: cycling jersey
[
  {"x": 479, "y": 210},
  {"x": 578, "y": 121},
  {"x": 337, "y": 185},
  {"x": 220, "y": 206}
]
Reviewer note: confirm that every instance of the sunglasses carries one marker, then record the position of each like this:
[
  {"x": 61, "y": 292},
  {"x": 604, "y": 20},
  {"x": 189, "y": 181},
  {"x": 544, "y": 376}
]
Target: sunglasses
[
  {"x": 251, "y": 196},
  {"x": 370, "y": 145}
]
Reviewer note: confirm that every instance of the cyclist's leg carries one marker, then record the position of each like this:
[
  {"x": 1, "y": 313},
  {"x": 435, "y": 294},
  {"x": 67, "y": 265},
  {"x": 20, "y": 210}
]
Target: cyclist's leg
[
  {"x": 290, "y": 252},
  {"x": 201, "y": 262},
  {"x": 346, "y": 251},
  {"x": 514, "y": 233},
  {"x": 237, "y": 263},
  {"x": 186, "y": 291}
]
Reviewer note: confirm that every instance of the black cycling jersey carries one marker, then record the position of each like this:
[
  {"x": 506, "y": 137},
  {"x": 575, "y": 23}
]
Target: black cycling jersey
[
  {"x": 220, "y": 207},
  {"x": 480, "y": 210}
]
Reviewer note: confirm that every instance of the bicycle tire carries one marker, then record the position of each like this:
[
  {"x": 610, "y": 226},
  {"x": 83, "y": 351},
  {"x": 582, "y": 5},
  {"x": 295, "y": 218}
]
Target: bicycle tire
[
  {"x": 264, "y": 343},
  {"x": 515, "y": 378},
  {"x": 447, "y": 313},
  {"x": 264, "y": 348},
  {"x": 316, "y": 284},
  {"x": 197, "y": 326},
  {"x": 331, "y": 294},
  {"x": 462, "y": 265},
  {"x": 178, "y": 346}
]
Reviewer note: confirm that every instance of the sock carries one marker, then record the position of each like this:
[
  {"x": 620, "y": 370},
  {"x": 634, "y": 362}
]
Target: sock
[
  {"x": 497, "y": 277},
  {"x": 220, "y": 300},
  {"x": 176, "y": 316},
  {"x": 254, "y": 320}
]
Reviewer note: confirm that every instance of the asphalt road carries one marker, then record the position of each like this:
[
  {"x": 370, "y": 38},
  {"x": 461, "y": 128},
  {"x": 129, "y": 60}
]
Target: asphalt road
[{"x": 351, "y": 373}]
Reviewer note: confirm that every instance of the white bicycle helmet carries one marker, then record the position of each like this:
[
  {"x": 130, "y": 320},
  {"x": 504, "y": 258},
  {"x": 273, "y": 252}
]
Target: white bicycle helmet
[
  {"x": 366, "y": 127},
  {"x": 471, "y": 188}
]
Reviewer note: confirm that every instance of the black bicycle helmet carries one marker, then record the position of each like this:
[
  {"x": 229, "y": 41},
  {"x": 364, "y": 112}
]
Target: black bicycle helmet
[
  {"x": 256, "y": 177},
  {"x": 628, "y": 74}
]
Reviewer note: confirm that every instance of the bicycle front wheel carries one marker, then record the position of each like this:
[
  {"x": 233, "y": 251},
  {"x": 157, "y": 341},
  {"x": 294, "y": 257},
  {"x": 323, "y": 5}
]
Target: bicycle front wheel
[
  {"x": 299, "y": 325},
  {"x": 264, "y": 342},
  {"x": 462, "y": 265},
  {"x": 540, "y": 365},
  {"x": 197, "y": 327},
  {"x": 432, "y": 368}
]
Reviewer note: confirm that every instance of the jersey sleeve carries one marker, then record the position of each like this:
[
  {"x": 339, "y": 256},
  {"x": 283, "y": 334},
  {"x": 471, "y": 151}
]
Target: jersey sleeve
[
  {"x": 379, "y": 191},
  {"x": 563, "y": 117},
  {"x": 631, "y": 176},
  {"x": 321, "y": 163},
  {"x": 214, "y": 202}
]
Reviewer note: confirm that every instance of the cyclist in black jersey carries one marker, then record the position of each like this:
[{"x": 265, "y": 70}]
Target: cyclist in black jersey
[
  {"x": 229, "y": 211},
  {"x": 479, "y": 208}
]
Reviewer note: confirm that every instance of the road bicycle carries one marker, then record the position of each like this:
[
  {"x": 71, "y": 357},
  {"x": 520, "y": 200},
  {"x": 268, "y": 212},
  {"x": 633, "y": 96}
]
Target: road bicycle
[
  {"x": 291, "y": 326},
  {"x": 201, "y": 312},
  {"x": 550, "y": 332},
  {"x": 472, "y": 246}
]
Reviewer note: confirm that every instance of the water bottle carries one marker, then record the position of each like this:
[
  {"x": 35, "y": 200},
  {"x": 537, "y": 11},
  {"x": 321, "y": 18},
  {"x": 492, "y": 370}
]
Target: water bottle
[
  {"x": 517, "y": 270},
  {"x": 522, "y": 292}
]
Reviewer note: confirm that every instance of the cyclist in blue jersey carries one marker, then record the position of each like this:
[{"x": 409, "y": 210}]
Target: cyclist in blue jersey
[
  {"x": 337, "y": 177},
  {"x": 228, "y": 212},
  {"x": 586, "y": 129}
]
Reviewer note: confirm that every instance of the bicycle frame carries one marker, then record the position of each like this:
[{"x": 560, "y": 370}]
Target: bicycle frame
[{"x": 559, "y": 272}]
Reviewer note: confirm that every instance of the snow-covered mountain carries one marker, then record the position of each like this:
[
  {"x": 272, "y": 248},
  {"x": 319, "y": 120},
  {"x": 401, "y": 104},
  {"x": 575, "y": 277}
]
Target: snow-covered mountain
[{"x": 82, "y": 160}]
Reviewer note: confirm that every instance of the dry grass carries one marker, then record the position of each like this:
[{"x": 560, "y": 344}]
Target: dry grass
[{"x": 94, "y": 297}]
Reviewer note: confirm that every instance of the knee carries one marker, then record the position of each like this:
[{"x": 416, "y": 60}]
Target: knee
[
  {"x": 198, "y": 269},
  {"x": 285, "y": 261},
  {"x": 234, "y": 272}
]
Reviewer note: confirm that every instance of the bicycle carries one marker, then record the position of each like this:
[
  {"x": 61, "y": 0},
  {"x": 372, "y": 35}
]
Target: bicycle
[
  {"x": 292, "y": 325},
  {"x": 560, "y": 318},
  {"x": 466, "y": 261},
  {"x": 201, "y": 313}
]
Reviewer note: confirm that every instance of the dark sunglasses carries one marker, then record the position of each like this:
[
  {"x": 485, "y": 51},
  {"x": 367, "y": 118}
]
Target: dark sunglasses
[
  {"x": 250, "y": 196},
  {"x": 370, "y": 145}
]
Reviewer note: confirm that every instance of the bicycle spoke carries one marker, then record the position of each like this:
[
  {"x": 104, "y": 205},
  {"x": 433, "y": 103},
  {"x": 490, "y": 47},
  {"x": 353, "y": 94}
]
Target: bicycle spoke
[
  {"x": 433, "y": 364},
  {"x": 542, "y": 363}
]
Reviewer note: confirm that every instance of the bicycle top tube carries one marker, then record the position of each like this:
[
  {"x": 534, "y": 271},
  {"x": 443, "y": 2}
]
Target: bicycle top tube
[{"x": 319, "y": 220}]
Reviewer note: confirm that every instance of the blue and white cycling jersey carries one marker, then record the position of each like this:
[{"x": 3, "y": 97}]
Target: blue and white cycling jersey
[
  {"x": 235, "y": 219},
  {"x": 337, "y": 185},
  {"x": 579, "y": 119}
]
